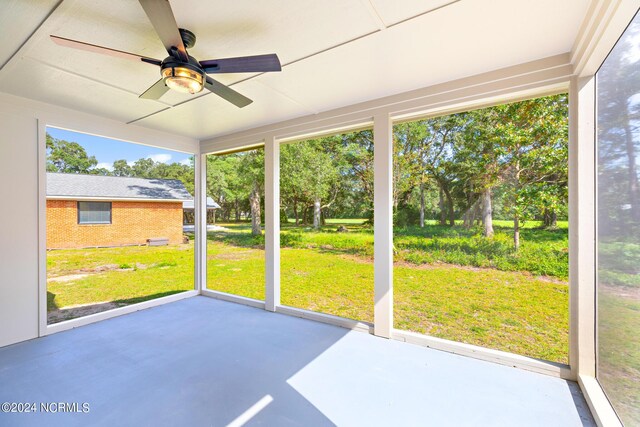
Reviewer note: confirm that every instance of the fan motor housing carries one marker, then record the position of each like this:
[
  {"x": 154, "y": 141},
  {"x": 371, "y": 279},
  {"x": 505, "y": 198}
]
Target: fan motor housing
[
  {"x": 188, "y": 38},
  {"x": 171, "y": 62}
]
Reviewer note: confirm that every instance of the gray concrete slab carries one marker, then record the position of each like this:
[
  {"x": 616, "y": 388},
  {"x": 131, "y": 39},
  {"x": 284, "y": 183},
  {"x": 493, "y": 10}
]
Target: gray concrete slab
[{"x": 204, "y": 362}]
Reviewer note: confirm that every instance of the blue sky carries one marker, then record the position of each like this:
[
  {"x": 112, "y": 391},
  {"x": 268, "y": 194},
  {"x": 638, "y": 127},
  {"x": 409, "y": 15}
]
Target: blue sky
[{"x": 108, "y": 150}]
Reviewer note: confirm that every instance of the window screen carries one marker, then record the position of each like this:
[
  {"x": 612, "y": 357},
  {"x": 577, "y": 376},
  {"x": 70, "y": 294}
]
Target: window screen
[{"x": 94, "y": 212}]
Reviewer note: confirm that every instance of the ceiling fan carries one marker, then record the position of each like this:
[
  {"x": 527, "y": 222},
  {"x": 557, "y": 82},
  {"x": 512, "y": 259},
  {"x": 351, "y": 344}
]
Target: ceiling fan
[{"x": 180, "y": 71}]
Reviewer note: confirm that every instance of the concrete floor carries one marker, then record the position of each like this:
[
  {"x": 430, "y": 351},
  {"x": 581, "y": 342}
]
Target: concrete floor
[{"x": 204, "y": 362}]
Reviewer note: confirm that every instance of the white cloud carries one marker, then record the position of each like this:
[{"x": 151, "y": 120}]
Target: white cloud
[
  {"x": 131, "y": 162},
  {"x": 162, "y": 158},
  {"x": 105, "y": 165},
  {"x": 186, "y": 162}
]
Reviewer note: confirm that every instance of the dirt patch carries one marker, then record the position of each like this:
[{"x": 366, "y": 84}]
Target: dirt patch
[
  {"x": 86, "y": 272},
  {"x": 627, "y": 292},
  {"x": 68, "y": 277},
  {"x": 72, "y": 312},
  {"x": 101, "y": 268},
  {"x": 232, "y": 256}
]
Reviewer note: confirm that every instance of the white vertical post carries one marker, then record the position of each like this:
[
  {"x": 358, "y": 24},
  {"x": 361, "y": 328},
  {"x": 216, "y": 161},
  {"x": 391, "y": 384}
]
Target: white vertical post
[
  {"x": 383, "y": 224},
  {"x": 42, "y": 228},
  {"x": 200, "y": 221},
  {"x": 582, "y": 224},
  {"x": 272, "y": 222}
]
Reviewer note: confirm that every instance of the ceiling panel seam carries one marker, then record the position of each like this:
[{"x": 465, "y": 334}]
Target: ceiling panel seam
[
  {"x": 426, "y": 12},
  {"x": 22, "y": 45},
  {"x": 300, "y": 104},
  {"x": 91, "y": 79},
  {"x": 374, "y": 14}
]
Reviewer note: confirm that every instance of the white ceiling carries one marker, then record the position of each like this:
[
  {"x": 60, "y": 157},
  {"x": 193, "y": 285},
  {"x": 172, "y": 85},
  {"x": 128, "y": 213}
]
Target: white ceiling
[{"x": 334, "y": 53}]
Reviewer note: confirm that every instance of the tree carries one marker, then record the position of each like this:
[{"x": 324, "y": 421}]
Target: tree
[
  {"x": 618, "y": 141},
  {"x": 121, "y": 168},
  {"x": 294, "y": 176},
  {"x": 533, "y": 138},
  {"x": 313, "y": 174},
  {"x": 67, "y": 157},
  {"x": 143, "y": 168},
  {"x": 251, "y": 174}
]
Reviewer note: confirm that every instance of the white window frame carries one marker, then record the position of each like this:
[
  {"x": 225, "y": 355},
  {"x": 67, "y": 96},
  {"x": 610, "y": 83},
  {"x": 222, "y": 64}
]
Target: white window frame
[
  {"x": 538, "y": 78},
  {"x": 49, "y": 116}
]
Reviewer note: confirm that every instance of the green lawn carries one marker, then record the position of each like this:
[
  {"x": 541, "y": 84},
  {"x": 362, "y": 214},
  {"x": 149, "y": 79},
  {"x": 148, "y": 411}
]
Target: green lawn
[
  {"x": 619, "y": 349},
  {"x": 481, "y": 300},
  {"x": 84, "y": 281}
]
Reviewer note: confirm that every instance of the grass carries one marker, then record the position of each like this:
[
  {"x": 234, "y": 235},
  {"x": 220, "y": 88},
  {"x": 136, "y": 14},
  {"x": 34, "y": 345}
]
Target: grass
[
  {"x": 619, "y": 349},
  {"x": 449, "y": 283},
  {"x": 507, "y": 311},
  {"x": 122, "y": 276}
]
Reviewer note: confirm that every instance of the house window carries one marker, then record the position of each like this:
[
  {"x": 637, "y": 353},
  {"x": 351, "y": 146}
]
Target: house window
[{"x": 94, "y": 212}]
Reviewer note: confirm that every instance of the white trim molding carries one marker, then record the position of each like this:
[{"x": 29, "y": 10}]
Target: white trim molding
[
  {"x": 486, "y": 354},
  {"x": 97, "y": 317},
  {"x": 601, "y": 408},
  {"x": 329, "y": 319},
  {"x": 606, "y": 20},
  {"x": 237, "y": 299}
]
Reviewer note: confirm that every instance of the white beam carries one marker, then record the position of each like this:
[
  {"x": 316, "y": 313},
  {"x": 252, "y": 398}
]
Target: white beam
[
  {"x": 582, "y": 223},
  {"x": 383, "y": 225},
  {"x": 532, "y": 77},
  {"x": 272, "y": 222},
  {"x": 200, "y": 222}
]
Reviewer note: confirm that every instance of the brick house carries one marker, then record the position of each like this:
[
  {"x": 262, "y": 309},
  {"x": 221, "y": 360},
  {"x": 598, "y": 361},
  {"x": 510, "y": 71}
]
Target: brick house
[{"x": 94, "y": 211}]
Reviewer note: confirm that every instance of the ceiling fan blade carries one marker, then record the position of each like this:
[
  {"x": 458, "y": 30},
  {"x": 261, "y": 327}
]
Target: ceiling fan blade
[
  {"x": 243, "y": 64},
  {"x": 227, "y": 93},
  {"x": 102, "y": 50},
  {"x": 161, "y": 16},
  {"x": 155, "y": 91}
]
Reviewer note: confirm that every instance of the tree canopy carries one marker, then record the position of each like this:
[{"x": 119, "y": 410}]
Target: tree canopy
[{"x": 505, "y": 162}]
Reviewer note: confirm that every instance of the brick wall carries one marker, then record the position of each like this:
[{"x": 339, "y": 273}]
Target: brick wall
[{"x": 131, "y": 223}]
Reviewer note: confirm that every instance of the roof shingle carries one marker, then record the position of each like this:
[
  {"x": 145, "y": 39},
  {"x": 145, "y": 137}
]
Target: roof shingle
[{"x": 114, "y": 187}]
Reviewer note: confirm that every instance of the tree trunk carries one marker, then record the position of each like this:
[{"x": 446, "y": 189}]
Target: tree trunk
[
  {"x": 634, "y": 187},
  {"x": 422, "y": 205},
  {"x": 295, "y": 211},
  {"x": 516, "y": 232},
  {"x": 316, "y": 213},
  {"x": 487, "y": 213},
  {"x": 254, "y": 200},
  {"x": 237, "y": 209},
  {"x": 452, "y": 213},
  {"x": 554, "y": 219},
  {"x": 443, "y": 215}
]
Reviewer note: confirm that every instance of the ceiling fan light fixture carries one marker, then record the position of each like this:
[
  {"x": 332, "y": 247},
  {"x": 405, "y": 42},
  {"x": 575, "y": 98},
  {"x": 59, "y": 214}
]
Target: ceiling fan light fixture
[{"x": 183, "y": 79}]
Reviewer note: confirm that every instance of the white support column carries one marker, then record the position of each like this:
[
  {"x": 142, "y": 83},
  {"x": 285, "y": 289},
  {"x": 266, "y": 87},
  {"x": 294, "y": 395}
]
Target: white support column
[
  {"x": 272, "y": 222},
  {"x": 42, "y": 228},
  {"x": 582, "y": 225},
  {"x": 383, "y": 225},
  {"x": 200, "y": 221}
]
